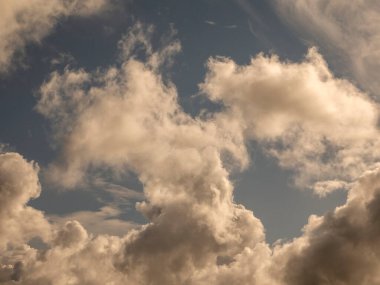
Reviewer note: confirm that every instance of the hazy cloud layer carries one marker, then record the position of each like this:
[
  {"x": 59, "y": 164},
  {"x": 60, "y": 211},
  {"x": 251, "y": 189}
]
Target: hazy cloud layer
[
  {"x": 29, "y": 21},
  {"x": 350, "y": 31},
  {"x": 127, "y": 118}
]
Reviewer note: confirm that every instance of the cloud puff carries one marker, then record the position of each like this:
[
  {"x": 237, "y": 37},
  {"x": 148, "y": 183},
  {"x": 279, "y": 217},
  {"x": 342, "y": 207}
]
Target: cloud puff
[
  {"x": 18, "y": 184},
  {"x": 18, "y": 222},
  {"x": 351, "y": 36},
  {"x": 29, "y": 21},
  {"x": 318, "y": 125}
]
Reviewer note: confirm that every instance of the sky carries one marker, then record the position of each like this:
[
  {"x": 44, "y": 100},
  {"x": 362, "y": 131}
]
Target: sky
[{"x": 189, "y": 142}]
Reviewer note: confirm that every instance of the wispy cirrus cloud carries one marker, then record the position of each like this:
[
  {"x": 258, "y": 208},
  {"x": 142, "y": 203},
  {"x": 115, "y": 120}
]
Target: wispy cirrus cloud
[{"x": 348, "y": 31}]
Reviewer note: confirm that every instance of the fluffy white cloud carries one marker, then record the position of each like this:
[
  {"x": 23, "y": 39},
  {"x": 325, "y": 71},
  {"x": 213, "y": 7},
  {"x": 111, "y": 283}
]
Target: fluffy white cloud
[
  {"x": 18, "y": 184},
  {"x": 349, "y": 31},
  {"x": 318, "y": 125},
  {"x": 18, "y": 222},
  {"x": 29, "y": 21}
]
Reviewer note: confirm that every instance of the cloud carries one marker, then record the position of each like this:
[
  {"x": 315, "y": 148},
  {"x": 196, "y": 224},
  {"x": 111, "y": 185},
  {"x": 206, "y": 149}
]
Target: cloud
[
  {"x": 67, "y": 248},
  {"x": 3, "y": 147},
  {"x": 123, "y": 194},
  {"x": 138, "y": 41},
  {"x": 18, "y": 184},
  {"x": 62, "y": 59},
  {"x": 73, "y": 258},
  {"x": 231, "y": 26},
  {"x": 320, "y": 126},
  {"x": 351, "y": 37},
  {"x": 210, "y": 23},
  {"x": 119, "y": 194},
  {"x": 29, "y": 21},
  {"x": 105, "y": 221},
  {"x": 129, "y": 120},
  {"x": 340, "y": 247},
  {"x": 256, "y": 25},
  {"x": 126, "y": 118}
]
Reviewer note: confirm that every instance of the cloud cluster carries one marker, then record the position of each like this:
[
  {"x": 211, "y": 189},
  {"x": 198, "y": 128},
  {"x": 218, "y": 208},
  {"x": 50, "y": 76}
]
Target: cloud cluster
[
  {"x": 184, "y": 242},
  {"x": 67, "y": 254},
  {"x": 127, "y": 118},
  {"x": 320, "y": 126},
  {"x": 29, "y": 21},
  {"x": 18, "y": 184},
  {"x": 341, "y": 247},
  {"x": 347, "y": 34}
]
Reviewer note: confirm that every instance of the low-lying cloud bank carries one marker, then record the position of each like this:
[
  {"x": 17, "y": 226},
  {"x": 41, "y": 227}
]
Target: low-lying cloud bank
[{"x": 127, "y": 118}]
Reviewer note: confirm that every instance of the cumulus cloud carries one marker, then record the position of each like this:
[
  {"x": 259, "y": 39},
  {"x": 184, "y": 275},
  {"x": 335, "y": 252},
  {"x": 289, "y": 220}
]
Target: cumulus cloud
[
  {"x": 349, "y": 31},
  {"x": 127, "y": 118},
  {"x": 18, "y": 222},
  {"x": 340, "y": 247},
  {"x": 320, "y": 126},
  {"x": 29, "y": 21},
  {"x": 67, "y": 248},
  {"x": 73, "y": 257},
  {"x": 18, "y": 184}
]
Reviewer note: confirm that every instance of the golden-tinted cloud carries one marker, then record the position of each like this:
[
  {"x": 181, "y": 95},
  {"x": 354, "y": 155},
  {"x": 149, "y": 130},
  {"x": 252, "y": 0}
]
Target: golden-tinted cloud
[
  {"x": 127, "y": 118},
  {"x": 348, "y": 31},
  {"x": 29, "y": 21}
]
